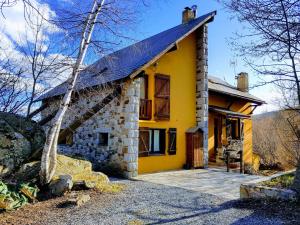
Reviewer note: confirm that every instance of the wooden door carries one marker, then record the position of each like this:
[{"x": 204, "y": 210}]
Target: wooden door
[
  {"x": 194, "y": 149},
  {"x": 198, "y": 150}
]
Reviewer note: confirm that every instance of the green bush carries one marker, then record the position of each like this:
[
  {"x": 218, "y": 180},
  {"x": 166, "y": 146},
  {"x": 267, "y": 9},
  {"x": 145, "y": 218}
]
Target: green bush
[{"x": 13, "y": 197}]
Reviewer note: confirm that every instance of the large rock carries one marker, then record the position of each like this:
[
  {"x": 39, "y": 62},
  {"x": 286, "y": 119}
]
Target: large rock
[
  {"x": 20, "y": 139},
  {"x": 80, "y": 170},
  {"x": 61, "y": 185}
]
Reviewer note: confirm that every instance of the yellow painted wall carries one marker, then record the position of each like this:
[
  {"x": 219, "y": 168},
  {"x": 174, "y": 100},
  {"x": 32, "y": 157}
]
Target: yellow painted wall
[
  {"x": 180, "y": 66},
  {"x": 238, "y": 106}
]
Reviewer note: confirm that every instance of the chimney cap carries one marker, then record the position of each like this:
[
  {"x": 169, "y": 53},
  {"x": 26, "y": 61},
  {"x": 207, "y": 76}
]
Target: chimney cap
[{"x": 189, "y": 13}]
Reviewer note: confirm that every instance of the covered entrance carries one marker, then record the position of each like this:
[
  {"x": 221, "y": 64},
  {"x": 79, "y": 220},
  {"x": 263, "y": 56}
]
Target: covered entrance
[{"x": 227, "y": 138}]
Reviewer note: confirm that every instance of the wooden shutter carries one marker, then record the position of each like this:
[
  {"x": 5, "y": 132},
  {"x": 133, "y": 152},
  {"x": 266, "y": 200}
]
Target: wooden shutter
[
  {"x": 144, "y": 141},
  {"x": 172, "y": 141},
  {"x": 162, "y": 97}
]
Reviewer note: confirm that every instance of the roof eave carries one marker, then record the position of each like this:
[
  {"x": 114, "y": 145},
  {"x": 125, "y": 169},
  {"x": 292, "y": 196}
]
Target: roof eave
[{"x": 256, "y": 101}]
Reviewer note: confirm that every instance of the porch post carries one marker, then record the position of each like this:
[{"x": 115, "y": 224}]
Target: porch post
[{"x": 202, "y": 87}]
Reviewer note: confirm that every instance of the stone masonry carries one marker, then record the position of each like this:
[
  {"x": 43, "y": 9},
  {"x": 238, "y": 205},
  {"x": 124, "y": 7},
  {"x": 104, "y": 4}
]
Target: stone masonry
[
  {"x": 202, "y": 87},
  {"x": 118, "y": 120}
]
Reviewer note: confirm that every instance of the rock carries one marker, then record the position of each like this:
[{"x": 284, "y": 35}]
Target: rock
[
  {"x": 72, "y": 166},
  {"x": 82, "y": 199},
  {"x": 20, "y": 140},
  {"x": 81, "y": 171},
  {"x": 60, "y": 186},
  {"x": 28, "y": 172}
]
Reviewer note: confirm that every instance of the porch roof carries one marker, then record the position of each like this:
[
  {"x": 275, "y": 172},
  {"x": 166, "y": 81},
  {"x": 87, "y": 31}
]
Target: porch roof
[{"x": 228, "y": 113}]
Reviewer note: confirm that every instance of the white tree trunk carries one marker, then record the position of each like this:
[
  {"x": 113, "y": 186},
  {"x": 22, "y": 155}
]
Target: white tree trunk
[{"x": 48, "y": 161}]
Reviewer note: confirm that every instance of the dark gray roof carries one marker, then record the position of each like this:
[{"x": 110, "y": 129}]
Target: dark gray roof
[
  {"x": 126, "y": 61},
  {"x": 215, "y": 84},
  {"x": 228, "y": 113}
]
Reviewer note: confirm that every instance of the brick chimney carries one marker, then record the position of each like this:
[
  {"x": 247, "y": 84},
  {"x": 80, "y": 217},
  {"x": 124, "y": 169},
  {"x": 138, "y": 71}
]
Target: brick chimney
[
  {"x": 242, "y": 82},
  {"x": 189, "y": 14}
]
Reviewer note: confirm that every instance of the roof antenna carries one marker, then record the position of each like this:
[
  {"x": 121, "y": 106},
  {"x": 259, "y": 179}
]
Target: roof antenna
[
  {"x": 194, "y": 8},
  {"x": 233, "y": 63}
]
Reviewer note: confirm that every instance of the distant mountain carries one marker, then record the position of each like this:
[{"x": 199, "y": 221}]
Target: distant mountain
[{"x": 265, "y": 115}]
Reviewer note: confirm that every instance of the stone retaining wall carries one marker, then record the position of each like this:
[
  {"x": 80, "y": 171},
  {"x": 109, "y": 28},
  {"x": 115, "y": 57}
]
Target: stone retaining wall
[{"x": 258, "y": 190}]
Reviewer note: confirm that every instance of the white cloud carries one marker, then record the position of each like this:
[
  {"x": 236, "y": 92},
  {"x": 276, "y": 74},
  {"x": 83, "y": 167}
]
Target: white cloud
[
  {"x": 19, "y": 30},
  {"x": 270, "y": 96},
  {"x": 14, "y": 25}
]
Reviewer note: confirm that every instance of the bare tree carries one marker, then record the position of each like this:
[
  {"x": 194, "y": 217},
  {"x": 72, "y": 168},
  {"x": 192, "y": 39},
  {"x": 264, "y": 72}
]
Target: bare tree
[
  {"x": 43, "y": 68},
  {"x": 48, "y": 162},
  {"x": 12, "y": 98},
  {"x": 271, "y": 45},
  {"x": 29, "y": 68},
  {"x": 77, "y": 24}
]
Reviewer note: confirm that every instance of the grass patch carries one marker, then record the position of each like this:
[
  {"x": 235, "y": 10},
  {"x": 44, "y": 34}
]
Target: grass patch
[
  {"x": 284, "y": 181},
  {"x": 110, "y": 188}
]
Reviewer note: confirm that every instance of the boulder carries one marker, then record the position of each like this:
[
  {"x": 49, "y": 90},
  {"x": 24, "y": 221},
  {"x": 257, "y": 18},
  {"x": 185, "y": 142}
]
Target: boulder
[
  {"x": 68, "y": 170},
  {"x": 61, "y": 185},
  {"x": 72, "y": 166},
  {"x": 21, "y": 140},
  {"x": 81, "y": 172},
  {"x": 28, "y": 172}
]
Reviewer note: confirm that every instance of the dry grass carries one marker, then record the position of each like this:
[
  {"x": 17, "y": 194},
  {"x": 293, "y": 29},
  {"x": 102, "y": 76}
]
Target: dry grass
[
  {"x": 110, "y": 188},
  {"x": 284, "y": 181}
]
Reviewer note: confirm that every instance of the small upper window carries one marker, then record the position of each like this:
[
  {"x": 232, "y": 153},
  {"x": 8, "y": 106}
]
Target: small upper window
[
  {"x": 103, "y": 139},
  {"x": 144, "y": 87}
]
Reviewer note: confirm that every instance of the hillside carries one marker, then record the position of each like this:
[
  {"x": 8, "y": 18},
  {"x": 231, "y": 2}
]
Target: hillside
[{"x": 274, "y": 138}]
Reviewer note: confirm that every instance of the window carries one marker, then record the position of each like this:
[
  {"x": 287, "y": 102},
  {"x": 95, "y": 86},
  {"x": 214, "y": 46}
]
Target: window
[
  {"x": 162, "y": 97},
  {"x": 103, "y": 139},
  {"x": 144, "y": 87},
  {"x": 172, "y": 141},
  {"x": 234, "y": 129},
  {"x": 151, "y": 141},
  {"x": 68, "y": 140}
]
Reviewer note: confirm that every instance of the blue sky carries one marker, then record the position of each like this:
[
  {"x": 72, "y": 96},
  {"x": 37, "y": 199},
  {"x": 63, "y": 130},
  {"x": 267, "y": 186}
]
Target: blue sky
[
  {"x": 166, "y": 14},
  {"x": 159, "y": 16}
]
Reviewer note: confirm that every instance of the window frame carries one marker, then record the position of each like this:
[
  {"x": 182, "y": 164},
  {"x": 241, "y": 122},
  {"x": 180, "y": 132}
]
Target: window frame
[
  {"x": 150, "y": 147},
  {"x": 68, "y": 140},
  {"x": 106, "y": 139},
  {"x": 146, "y": 85}
]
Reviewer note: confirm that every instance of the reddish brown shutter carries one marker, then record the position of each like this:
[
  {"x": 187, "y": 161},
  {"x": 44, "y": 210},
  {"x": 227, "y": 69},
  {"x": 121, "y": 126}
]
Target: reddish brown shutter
[
  {"x": 162, "y": 97},
  {"x": 144, "y": 141}
]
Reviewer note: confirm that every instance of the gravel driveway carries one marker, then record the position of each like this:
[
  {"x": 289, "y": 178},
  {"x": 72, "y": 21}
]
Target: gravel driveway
[{"x": 148, "y": 203}]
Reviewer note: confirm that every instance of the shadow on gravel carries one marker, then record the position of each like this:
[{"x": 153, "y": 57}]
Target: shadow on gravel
[{"x": 272, "y": 212}]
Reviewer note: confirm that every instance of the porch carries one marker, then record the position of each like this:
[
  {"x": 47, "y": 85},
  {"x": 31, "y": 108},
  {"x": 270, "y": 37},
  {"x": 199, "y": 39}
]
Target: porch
[
  {"x": 215, "y": 181},
  {"x": 227, "y": 138}
]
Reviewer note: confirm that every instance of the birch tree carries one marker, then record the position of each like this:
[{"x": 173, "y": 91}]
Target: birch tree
[{"x": 48, "y": 162}]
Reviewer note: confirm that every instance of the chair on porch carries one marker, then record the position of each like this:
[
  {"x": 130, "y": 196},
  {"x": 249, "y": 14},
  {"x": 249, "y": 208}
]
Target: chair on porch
[
  {"x": 233, "y": 156},
  {"x": 232, "y": 153}
]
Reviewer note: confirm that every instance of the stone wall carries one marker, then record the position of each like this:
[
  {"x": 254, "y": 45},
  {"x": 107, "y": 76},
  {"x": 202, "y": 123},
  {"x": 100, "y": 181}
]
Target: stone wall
[
  {"x": 118, "y": 120},
  {"x": 202, "y": 87},
  {"x": 256, "y": 189}
]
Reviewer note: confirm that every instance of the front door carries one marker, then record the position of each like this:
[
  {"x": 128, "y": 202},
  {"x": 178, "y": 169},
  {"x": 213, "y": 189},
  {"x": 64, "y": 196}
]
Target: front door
[{"x": 198, "y": 150}]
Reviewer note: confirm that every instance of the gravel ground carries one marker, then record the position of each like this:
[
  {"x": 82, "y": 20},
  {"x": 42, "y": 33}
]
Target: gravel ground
[{"x": 147, "y": 203}]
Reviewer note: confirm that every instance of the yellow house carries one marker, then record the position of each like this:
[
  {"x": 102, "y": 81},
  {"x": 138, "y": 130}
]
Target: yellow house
[{"x": 152, "y": 106}]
